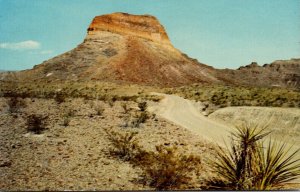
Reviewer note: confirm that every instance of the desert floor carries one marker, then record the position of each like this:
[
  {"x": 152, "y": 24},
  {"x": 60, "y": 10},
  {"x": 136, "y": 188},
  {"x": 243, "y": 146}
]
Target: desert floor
[{"x": 76, "y": 155}]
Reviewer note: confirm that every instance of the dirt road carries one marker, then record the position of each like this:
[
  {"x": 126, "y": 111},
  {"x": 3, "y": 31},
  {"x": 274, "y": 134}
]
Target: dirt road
[{"x": 185, "y": 113}]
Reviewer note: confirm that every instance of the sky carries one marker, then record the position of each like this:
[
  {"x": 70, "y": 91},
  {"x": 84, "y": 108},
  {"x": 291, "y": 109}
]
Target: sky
[{"x": 220, "y": 33}]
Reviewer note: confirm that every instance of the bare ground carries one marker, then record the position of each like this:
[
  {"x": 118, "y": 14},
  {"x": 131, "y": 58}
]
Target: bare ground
[{"x": 76, "y": 157}]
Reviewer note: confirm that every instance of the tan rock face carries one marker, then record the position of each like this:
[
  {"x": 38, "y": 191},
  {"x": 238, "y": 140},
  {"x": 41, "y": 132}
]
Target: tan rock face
[{"x": 143, "y": 26}]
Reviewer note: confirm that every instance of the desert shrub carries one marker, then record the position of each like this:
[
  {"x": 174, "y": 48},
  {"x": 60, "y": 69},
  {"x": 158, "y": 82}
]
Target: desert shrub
[
  {"x": 167, "y": 168},
  {"x": 111, "y": 101},
  {"x": 97, "y": 107},
  {"x": 125, "y": 107},
  {"x": 250, "y": 166},
  {"x": 36, "y": 123},
  {"x": 66, "y": 121},
  {"x": 99, "y": 110},
  {"x": 60, "y": 98},
  {"x": 141, "y": 118},
  {"x": 164, "y": 169},
  {"x": 124, "y": 143},
  {"x": 66, "y": 118},
  {"x": 142, "y": 106},
  {"x": 15, "y": 104}
]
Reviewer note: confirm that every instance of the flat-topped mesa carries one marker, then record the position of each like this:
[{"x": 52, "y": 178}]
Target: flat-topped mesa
[{"x": 143, "y": 26}]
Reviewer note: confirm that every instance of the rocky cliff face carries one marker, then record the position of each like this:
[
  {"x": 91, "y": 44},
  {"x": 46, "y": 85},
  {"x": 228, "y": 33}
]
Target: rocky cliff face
[{"x": 142, "y": 26}]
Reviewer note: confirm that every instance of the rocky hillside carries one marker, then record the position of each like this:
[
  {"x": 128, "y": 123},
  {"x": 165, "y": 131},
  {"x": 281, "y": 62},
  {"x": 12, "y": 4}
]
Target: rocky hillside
[
  {"x": 281, "y": 73},
  {"x": 127, "y": 48}
]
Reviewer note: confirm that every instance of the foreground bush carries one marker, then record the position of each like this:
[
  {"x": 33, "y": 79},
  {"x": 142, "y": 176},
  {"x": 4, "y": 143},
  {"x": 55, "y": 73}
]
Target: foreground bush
[
  {"x": 248, "y": 165},
  {"x": 124, "y": 143},
  {"x": 164, "y": 169},
  {"x": 36, "y": 123},
  {"x": 167, "y": 168},
  {"x": 15, "y": 104}
]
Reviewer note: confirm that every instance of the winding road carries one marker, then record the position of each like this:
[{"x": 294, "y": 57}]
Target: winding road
[{"x": 185, "y": 113}]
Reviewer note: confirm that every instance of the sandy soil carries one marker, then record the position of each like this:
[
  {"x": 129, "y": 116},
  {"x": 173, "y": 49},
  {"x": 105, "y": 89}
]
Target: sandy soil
[
  {"x": 76, "y": 157},
  {"x": 283, "y": 122}
]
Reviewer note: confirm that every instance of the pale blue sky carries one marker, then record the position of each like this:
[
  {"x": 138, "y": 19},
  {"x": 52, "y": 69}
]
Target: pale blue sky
[{"x": 220, "y": 33}]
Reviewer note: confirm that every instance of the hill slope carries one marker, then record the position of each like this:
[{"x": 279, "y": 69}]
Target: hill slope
[{"x": 128, "y": 48}]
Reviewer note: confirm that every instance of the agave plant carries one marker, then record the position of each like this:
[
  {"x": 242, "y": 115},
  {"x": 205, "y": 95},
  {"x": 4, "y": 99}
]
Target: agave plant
[{"x": 248, "y": 165}]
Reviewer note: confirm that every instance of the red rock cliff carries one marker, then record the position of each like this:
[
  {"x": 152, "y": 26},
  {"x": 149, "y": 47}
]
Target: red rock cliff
[{"x": 143, "y": 26}]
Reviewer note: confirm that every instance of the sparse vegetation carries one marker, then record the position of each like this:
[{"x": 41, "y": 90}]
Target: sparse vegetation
[
  {"x": 125, "y": 107},
  {"x": 98, "y": 108},
  {"x": 248, "y": 165},
  {"x": 164, "y": 169},
  {"x": 66, "y": 121},
  {"x": 111, "y": 101},
  {"x": 109, "y": 92},
  {"x": 168, "y": 169},
  {"x": 60, "y": 98},
  {"x": 15, "y": 104},
  {"x": 124, "y": 143},
  {"x": 142, "y": 106},
  {"x": 223, "y": 96},
  {"x": 140, "y": 118},
  {"x": 36, "y": 123}
]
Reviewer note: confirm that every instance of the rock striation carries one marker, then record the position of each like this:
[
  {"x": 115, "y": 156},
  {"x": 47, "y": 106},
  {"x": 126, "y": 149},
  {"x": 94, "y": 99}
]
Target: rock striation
[{"x": 143, "y": 26}]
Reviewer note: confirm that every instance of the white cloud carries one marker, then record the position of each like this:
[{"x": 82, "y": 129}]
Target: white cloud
[{"x": 24, "y": 45}]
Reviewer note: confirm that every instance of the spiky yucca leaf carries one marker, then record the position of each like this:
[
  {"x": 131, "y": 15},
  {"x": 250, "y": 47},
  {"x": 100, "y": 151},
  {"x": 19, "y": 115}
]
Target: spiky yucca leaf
[
  {"x": 278, "y": 166},
  {"x": 247, "y": 165}
]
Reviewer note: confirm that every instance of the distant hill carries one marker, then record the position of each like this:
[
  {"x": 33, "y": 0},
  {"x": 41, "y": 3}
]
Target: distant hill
[{"x": 127, "y": 48}]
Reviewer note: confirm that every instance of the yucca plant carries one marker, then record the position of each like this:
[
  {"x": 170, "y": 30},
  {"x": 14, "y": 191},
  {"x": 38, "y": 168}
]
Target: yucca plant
[
  {"x": 278, "y": 165},
  {"x": 248, "y": 165}
]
